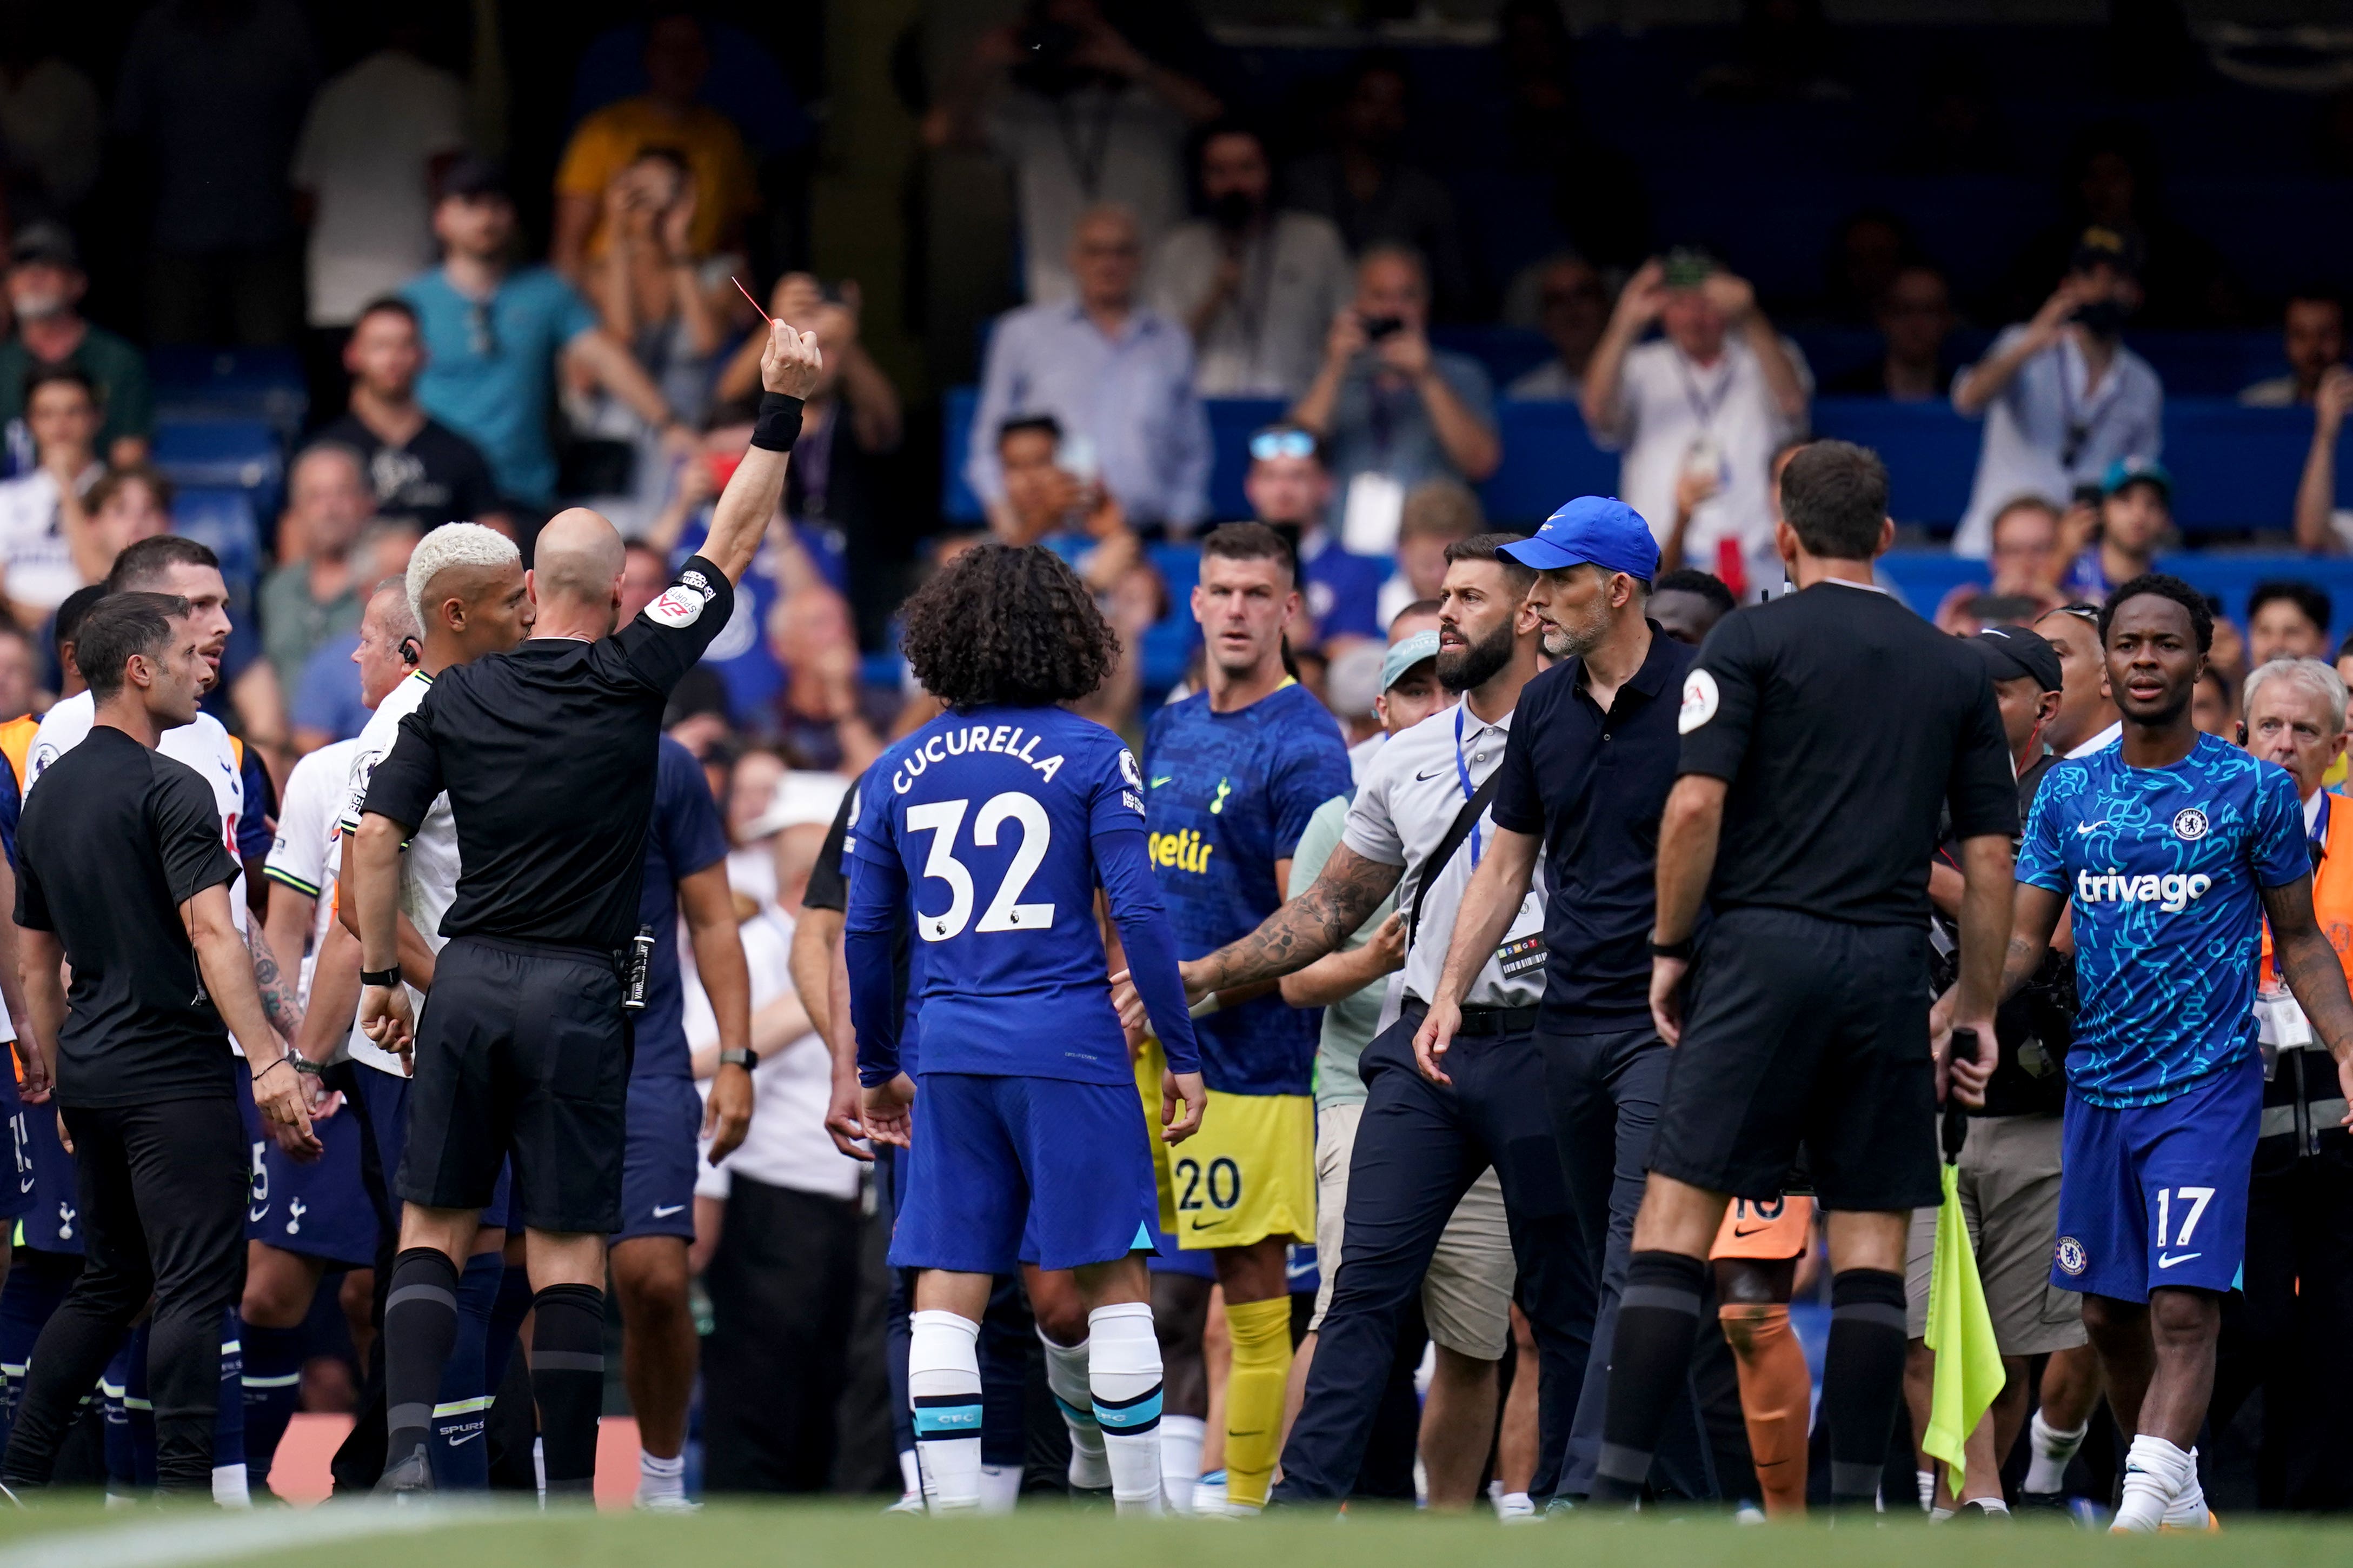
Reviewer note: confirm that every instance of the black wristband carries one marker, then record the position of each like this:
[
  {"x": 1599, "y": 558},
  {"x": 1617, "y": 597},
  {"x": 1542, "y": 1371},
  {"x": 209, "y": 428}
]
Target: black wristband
[
  {"x": 381, "y": 976},
  {"x": 1677, "y": 950},
  {"x": 779, "y": 424}
]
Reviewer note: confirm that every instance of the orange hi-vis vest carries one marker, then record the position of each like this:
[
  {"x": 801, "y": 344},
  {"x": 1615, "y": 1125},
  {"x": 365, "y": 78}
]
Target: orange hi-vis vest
[{"x": 2332, "y": 895}]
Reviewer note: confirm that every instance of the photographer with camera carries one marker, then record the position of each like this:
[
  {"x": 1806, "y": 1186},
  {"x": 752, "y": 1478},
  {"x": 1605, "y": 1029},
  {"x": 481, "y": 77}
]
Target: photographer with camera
[
  {"x": 2061, "y": 397},
  {"x": 1391, "y": 410},
  {"x": 1699, "y": 413}
]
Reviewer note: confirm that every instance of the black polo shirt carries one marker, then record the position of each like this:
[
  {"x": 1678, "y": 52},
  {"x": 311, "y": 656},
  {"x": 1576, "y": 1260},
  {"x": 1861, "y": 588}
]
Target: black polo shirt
[
  {"x": 1595, "y": 785},
  {"x": 549, "y": 755},
  {"x": 114, "y": 841},
  {"x": 1844, "y": 725}
]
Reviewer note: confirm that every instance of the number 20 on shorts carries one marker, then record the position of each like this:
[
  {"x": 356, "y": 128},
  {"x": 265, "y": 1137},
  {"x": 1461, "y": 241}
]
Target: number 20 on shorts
[{"x": 1222, "y": 1186}]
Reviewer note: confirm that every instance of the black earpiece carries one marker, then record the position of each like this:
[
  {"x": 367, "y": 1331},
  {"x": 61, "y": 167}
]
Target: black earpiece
[{"x": 410, "y": 653}]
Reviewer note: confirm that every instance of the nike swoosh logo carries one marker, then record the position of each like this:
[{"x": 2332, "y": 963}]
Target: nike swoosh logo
[
  {"x": 457, "y": 1440},
  {"x": 1425, "y": 778},
  {"x": 662, "y": 1212},
  {"x": 1163, "y": 779},
  {"x": 2085, "y": 829},
  {"x": 2165, "y": 1262},
  {"x": 1752, "y": 1230}
]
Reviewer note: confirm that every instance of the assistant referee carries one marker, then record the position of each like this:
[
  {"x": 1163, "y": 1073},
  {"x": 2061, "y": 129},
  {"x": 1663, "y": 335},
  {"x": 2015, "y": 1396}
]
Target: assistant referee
[
  {"x": 1821, "y": 733},
  {"x": 548, "y": 754}
]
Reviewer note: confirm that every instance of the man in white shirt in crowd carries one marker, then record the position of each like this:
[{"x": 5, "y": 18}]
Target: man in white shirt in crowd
[
  {"x": 48, "y": 548},
  {"x": 363, "y": 167},
  {"x": 1083, "y": 115},
  {"x": 1255, "y": 285},
  {"x": 1716, "y": 393},
  {"x": 2061, "y": 397},
  {"x": 2312, "y": 337}
]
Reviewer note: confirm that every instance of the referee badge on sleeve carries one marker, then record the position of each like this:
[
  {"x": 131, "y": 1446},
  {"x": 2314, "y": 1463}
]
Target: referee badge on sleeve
[
  {"x": 678, "y": 607},
  {"x": 1700, "y": 697}
]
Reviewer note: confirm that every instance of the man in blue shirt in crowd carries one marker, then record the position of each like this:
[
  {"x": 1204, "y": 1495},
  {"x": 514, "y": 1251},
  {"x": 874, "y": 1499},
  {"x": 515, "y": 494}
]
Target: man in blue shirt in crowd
[
  {"x": 494, "y": 333},
  {"x": 2171, "y": 848}
]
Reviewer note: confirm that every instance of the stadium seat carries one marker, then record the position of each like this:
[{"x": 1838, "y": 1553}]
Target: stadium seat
[
  {"x": 230, "y": 384},
  {"x": 1926, "y": 576},
  {"x": 224, "y": 454}
]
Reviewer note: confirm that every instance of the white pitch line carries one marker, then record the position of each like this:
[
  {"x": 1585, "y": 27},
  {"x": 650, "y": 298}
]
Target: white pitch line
[{"x": 173, "y": 1543}]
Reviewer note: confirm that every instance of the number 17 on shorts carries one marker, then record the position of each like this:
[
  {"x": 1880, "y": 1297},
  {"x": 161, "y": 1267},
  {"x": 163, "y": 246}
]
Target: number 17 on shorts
[{"x": 2153, "y": 1197}]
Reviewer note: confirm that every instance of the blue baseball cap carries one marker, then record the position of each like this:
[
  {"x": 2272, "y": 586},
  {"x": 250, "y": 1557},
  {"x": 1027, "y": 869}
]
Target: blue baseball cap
[
  {"x": 2136, "y": 471},
  {"x": 1404, "y": 654},
  {"x": 1601, "y": 529}
]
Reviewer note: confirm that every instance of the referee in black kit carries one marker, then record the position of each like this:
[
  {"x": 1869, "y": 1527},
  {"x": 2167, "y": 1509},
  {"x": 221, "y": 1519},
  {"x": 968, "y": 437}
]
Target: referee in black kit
[
  {"x": 548, "y": 754},
  {"x": 1821, "y": 734},
  {"x": 125, "y": 874}
]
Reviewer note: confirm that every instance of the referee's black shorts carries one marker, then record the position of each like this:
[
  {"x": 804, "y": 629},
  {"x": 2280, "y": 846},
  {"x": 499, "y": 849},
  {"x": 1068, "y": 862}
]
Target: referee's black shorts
[
  {"x": 521, "y": 1048},
  {"x": 1799, "y": 1030}
]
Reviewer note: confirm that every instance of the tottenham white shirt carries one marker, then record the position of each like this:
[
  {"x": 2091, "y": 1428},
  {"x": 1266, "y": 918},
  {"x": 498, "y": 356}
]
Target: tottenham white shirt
[
  {"x": 428, "y": 866},
  {"x": 308, "y": 851}
]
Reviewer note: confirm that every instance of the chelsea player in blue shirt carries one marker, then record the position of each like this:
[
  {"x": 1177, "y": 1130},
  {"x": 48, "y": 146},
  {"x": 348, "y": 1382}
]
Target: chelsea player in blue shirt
[
  {"x": 1002, "y": 816},
  {"x": 2170, "y": 849}
]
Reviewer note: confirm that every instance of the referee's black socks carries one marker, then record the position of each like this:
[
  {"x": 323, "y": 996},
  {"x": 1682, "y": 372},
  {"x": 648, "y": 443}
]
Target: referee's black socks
[
  {"x": 1650, "y": 1357},
  {"x": 421, "y": 1326},
  {"x": 1862, "y": 1377},
  {"x": 567, "y": 1378}
]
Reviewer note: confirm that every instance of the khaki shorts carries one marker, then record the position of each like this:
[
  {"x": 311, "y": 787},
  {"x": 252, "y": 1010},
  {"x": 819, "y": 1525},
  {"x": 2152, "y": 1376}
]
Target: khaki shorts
[
  {"x": 2010, "y": 1196},
  {"x": 1466, "y": 1297}
]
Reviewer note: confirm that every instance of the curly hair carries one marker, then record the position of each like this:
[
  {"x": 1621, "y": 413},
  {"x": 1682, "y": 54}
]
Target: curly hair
[{"x": 1001, "y": 625}]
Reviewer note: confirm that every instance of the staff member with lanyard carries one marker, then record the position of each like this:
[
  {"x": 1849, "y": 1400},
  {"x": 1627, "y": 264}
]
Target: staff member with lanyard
[
  {"x": 2285, "y": 1330},
  {"x": 1417, "y": 828},
  {"x": 1586, "y": 775},
  {"x": 124, "y": 874},
  {"x": 1821, "y": 734},
  {"x": 549, "y": 756}
]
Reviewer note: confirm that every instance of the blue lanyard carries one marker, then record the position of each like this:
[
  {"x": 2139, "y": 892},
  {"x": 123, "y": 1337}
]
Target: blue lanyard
[{"x": 1462, "y": 777}]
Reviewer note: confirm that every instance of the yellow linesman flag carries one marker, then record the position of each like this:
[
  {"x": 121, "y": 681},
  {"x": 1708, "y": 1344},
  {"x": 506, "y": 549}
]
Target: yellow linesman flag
[{"x": 1960, "y": 1330}]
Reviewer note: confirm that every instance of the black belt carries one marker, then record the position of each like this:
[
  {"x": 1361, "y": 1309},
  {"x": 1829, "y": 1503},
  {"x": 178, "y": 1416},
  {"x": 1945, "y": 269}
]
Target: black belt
[{"x": 1484, "y": 1020}]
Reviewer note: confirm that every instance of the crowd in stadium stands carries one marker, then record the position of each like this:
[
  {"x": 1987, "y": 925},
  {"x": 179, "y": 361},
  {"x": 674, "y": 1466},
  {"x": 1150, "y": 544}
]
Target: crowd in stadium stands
[{"x": 1177, "y": 255}]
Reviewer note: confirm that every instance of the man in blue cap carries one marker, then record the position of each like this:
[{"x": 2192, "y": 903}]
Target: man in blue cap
[{"x": 1587, "y": 774}]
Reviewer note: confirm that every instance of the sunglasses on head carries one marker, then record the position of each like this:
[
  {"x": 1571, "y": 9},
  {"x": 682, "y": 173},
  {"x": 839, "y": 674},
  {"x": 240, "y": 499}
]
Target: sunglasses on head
[{"x": 1269, "y": 445}]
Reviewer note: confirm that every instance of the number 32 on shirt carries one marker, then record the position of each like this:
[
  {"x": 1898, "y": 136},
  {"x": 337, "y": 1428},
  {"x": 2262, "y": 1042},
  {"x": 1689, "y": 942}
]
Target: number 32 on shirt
[{"x": 944, "y": 819}]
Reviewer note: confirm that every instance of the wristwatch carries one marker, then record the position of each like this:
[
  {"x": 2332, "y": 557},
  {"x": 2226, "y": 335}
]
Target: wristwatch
[
  {"x": 386, "y": 977},
  {"x": 1679, "y": 949},
  {"x": 738, "y": 1057},
  {"x": 303, "y": 1065}
]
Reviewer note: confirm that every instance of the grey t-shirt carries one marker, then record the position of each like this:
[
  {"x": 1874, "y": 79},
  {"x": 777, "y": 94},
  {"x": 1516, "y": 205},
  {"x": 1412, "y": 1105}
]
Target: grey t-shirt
[{"x": 1348, "y": 1026}]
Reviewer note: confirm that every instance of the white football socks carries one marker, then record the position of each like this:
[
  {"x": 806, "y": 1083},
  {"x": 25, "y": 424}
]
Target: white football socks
[
  {"x": 2053, "y": 1451},
  {"x": 2155, "y": 1471},
  {"x": 2188, "y": 1510},
  {"x": 1180, "y": 1458},
  {"x": 1124, "y": 1378},
  {"x": 660, "y": 1480},
  {"x": 1066, "y": 1374},
  {"x": 943, "y": 1387}
]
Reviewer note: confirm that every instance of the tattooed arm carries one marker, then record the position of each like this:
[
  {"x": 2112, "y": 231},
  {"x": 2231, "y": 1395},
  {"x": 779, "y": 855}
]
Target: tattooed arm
[
  {"x": 1301, "y": 931},
  {"x": 2313, "y": 972},
  {"x": 276, "y": 987}
]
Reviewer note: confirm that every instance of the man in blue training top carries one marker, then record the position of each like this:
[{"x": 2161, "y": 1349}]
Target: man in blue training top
[
  {"x": 1236, "y": 773},
  {"x": 2171, "y": 848},
  {"x": 1003, "y": 815}
]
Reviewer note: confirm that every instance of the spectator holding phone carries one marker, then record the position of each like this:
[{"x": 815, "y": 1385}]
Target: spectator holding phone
[
  {"x": 1392, "y": 411},
  {"x": 2061, "y": 396},
  {"x": 1699, "y": 412},
  {"x": 2136, "y": 517},
  {"x": 1054, "y": 498}
]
